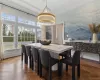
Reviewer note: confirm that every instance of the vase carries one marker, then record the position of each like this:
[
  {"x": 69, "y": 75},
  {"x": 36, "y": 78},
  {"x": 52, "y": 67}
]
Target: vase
[{"x": 94, "y": 38}]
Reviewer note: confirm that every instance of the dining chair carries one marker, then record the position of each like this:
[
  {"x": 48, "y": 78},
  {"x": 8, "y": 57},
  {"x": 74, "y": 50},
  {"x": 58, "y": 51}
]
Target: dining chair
[
  {"x": 66, "y": 54},
  {"x": 28, "y": 55},
  {"x": 23, "y": 53},
  {"x": 35, "y": 56},
  {"x": 73, "y": 61},
  {"x": 47, "y": 62}
]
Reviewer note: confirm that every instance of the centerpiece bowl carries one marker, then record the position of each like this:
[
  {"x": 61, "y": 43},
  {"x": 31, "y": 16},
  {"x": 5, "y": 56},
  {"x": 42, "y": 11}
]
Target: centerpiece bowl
[{"x": 45, "y": 42}]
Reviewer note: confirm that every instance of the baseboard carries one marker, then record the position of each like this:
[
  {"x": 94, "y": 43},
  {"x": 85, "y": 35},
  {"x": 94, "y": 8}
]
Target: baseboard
[
  {"x": 12, "y": 53},
  {"x": 90, "y": 60}
]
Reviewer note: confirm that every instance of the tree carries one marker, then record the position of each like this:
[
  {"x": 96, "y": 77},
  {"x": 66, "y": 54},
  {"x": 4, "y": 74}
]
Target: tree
[
  {"x": 10, "y": 34},
  {"x": 20, "y": 34},
  {"x": 4, "y": 29}
]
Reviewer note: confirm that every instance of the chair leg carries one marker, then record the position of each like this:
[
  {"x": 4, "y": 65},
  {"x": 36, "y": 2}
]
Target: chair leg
[
  {"x": 78, "y": 70},
  {"x": 38, "y": 66},
  {"x": 22, "y": 56},
  {"x": 26, "y": 59},
  {"x": 66, "y": 67},
  {"x": 40, "y": 69},
  {"x": 32, "y": 63},
  {"x": 73, "y": 72}
]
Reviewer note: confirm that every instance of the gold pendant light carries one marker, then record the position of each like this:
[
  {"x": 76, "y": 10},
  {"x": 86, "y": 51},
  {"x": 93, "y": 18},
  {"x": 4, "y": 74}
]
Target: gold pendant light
[{"x": 46, "y": 17}]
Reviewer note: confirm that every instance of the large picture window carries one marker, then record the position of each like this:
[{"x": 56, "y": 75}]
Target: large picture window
[
  {"x": 8, "y": 36},
  {"x": 8, "y": 17},
  {"x": 24, "y": 21},
  {"x": 17, "y": 31},
  {"x": 25, "y": 34},
  {"x": 38, "y": 34}
]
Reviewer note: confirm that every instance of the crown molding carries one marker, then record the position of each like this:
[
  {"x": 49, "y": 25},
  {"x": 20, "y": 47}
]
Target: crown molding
[{"x": 18, "y": 9}]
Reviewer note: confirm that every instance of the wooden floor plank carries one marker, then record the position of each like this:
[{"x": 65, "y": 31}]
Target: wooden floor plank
[{"x": 14, "y": 69}]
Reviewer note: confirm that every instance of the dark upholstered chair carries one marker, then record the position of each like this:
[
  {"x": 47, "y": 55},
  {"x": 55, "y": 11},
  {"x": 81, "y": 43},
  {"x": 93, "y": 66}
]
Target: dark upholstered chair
[
  {"x": 35, "y": 57},
  {"x": 73, "y": 61},
  {"x": 66, "y": 53},
  {"x": 23, "y": 53},
  {"x": 47, "y": 62},
  {"x": 28, "y": 54}
]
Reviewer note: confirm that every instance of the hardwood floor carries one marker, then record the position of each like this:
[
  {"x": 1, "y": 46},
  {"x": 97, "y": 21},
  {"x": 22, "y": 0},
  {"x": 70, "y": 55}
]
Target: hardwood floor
[{"x": 14, "y": 69}]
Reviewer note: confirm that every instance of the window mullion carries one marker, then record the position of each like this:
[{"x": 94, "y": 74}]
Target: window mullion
[{"x": 16, "y": 33}]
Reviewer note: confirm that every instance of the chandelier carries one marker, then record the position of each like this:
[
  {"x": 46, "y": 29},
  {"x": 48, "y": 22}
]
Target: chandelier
[{"x": 46, "y": 17}]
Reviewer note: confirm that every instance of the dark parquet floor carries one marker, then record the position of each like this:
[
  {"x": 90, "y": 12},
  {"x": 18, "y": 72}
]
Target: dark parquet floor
[{"x": 14, "y": 69}]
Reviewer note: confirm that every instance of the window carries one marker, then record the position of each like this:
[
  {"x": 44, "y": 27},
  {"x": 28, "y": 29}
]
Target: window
[
  {"x": 7, "y": 17},
  {"x": 25, "y": 34},
  {"x": 28, "y": 22},
  {"x": 16, "y": 32},
  {"x": 48, "y": 32},
  {"x": 8, "y": 36},
  {"x": 38, "y": 34}
]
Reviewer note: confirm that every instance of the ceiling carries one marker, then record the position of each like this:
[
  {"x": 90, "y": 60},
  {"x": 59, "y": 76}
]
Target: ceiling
[{"x": 58, "y": 7}]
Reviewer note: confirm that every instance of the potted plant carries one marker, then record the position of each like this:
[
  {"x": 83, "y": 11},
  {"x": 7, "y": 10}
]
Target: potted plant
[{"x": 94, "y": 29}]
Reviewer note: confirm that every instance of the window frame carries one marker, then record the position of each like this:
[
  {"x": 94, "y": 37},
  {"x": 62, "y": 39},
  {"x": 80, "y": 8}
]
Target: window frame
[
  {"x": 12, "y": 42},
  {"x": 16, "y": 24}
]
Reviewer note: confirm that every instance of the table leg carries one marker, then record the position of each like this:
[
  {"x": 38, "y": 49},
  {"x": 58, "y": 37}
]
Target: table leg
[
  {"x": 78, "y": 70},
  {"x": 60, "y": 68},
  {"x": 73, "y": 72}
]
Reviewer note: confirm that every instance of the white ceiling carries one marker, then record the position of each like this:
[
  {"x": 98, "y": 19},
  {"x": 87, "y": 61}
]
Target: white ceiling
[{"x": 58, "y": 7}]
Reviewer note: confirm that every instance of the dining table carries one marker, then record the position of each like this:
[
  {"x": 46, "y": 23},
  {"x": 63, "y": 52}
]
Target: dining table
[{"x": 55, "y": 51}]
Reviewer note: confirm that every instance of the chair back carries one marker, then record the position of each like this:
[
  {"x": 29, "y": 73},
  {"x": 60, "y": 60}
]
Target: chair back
[
  {"x": 28, "y": 50},
  {"x": 76, "y": 57},
  {"x": 44, "y": 56},
  {"x": 35, "y": 53},
  {"x": 23, "y": 49}
]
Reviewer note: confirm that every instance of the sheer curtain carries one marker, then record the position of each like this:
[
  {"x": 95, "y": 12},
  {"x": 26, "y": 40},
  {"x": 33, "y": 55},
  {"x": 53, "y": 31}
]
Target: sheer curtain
[
  {"x": 58, "y": 33},
  {"x": 1, "y": 37},
  {"x": 1, "y": 41}
]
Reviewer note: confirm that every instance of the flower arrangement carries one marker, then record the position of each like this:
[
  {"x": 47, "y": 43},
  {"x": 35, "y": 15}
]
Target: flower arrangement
[{"x": 94, "y": 28}]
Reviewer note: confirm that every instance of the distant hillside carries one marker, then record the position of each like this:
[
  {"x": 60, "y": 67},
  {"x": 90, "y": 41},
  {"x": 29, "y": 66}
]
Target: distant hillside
[{"x": 78, "y": 33}]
